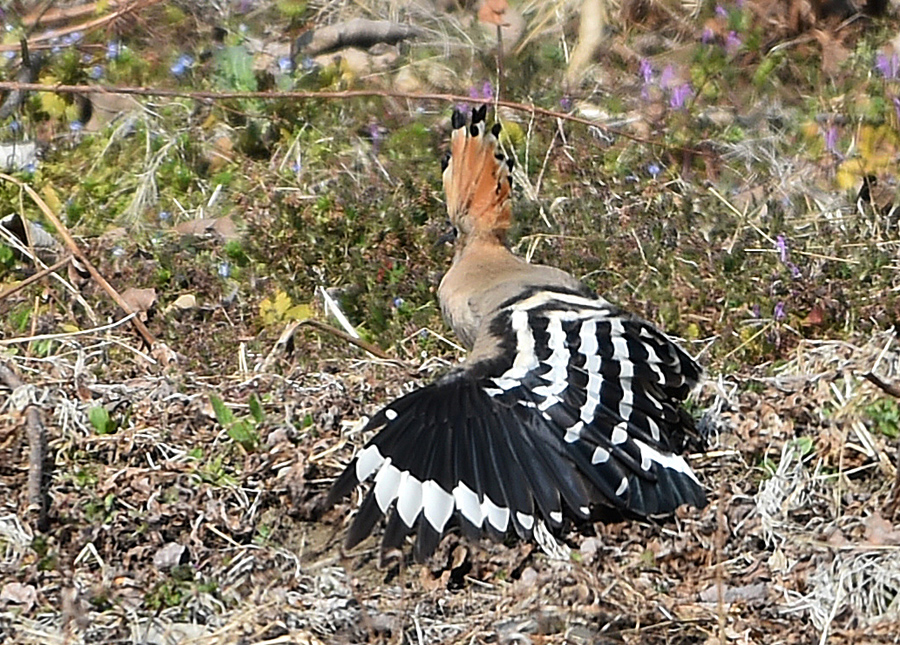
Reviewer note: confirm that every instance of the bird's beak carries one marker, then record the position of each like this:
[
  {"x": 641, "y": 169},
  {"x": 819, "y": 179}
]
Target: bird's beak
[{"x": 449, "y": 237}]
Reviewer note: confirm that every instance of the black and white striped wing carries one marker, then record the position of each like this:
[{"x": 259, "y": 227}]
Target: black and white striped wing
[{"x": 580, "y": 407}]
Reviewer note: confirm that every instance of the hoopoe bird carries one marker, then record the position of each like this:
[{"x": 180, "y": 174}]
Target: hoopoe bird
[{"x": 563, "y": 404}]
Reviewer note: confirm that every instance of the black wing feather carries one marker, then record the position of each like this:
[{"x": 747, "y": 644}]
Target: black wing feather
[{"x": 538, "y": 443}]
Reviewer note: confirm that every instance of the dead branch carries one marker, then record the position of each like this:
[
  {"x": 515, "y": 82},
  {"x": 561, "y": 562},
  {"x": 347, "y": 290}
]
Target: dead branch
[
  {"x": 37, "y": 276},
  {"x": 334, "y": 331},
  {"x": 49, "y": 16},
  {"x": 81, "y": 257},
  {"x": 358, "y": 32},
  {"x": 85, "y": 27},
  {"x": 203, "y": 95},
  {"x": 38, "y": 464},
  {"x": 892, "y": 388}
]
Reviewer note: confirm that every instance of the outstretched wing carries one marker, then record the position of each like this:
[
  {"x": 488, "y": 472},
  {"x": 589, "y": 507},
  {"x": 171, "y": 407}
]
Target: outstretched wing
[{"x": 579, "y": 406}]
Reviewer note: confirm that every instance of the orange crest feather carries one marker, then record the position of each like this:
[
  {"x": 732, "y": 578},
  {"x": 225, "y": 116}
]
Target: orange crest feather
[{"x": 476, "y": 178}]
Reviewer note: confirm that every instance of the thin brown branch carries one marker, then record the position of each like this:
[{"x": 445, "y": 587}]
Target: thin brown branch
[
  {"x": 47, "y": 16},
  {"x": 374, "y": 350},
  {"x": 34, "y": 278},
  {"x": 892, "y": 388},
  {"x": 89, "y": 26},
  {"x": 77, "y": 252},
  {"x": 205, "y": 95},
  {"x": 38, "y": 472}
]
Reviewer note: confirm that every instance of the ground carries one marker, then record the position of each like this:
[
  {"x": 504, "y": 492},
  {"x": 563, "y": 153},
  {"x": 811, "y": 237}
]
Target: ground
[{"x": 727, "y": 171}]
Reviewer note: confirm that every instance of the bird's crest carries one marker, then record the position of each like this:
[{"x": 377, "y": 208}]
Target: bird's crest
[{"x": 476, "y": 177}]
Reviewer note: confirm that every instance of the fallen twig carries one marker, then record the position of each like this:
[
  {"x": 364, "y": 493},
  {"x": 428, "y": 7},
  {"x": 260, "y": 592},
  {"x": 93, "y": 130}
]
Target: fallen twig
[
  {"x": 85, "y": 26},
  {"x": 38, "y": 473},
  {"x": 34, "y": 278},
  {"x": 76, "y": 251},
  {"x": 358, "y": 342},
  {"x": 206, "y": 95},
  {"x": 892, "y": 388},
  {"x": 47, "y": 15},
  {"x": 358, "y": 32}
]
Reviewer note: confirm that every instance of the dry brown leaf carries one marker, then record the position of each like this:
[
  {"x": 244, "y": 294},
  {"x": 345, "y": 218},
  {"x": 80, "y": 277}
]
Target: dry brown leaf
[
  {"x": 833, "y": 52},
  {"x": 224, "y": 227},
  {"x": 744, "y": 593},
  {"x": 184, "y": 301},
  {"x": 25, "y": 595},
  {"x": 880, "y": 532},
  {"x": 169, "y": 556},
  {"x": 163, "y": 355},
  {"x": 139, "y": 300}
]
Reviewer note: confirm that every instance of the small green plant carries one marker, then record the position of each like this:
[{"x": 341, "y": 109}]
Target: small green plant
[
  {"x": 244, "y": 430},
  {"x": 885, "y": 417},
  {"x": 101, "y": 420},
  {"x": 215, "y": 473},
  {"x": 166, "y": 594},
  {"x": 804, "y": 445}
]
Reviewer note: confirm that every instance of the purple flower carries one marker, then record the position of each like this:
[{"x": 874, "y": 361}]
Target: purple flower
[
  {"x": 707, "y": 36},
  {"x": 646, "y": 71},
  {"x": 888, "y": 66},
  {"x": 76, "y": 126},
  {"x": 164, "y": 216},
  {"x": 376, "y": 133},
  {"x": 654, "y": 170},
  {"x": 398, "y": 302},
  {"x": 285, "y": 64},
  {"x": 296, "y": 167},
  {"x": 9, "y": 55},
  {"x": 779, "y": 311},
  {"x": 566, "y": 103},
  {"x": 896, "y": 101},
  {"x": 755, "y": 310},
  {"x": 733, "y": 42},
  {"x": 485, "y": 92},
  {"x": 680, "y": 95},
  {"x": 721, "y": 12},
  {"x": 667, "y": 78},
  {"x": 113, "y": 49},
  {"x": 781, "y": 246},
  {"x": 96, "y": 72},
  {"x": 76, "y": 36},
  {"x": 831, "y": 136},
  {"x": 795, "y": 270}
]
